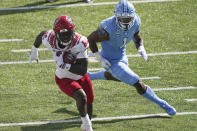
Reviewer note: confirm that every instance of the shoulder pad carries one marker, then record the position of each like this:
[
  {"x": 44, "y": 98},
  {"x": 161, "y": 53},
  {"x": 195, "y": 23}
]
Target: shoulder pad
[{"x": 49, "y": 39}]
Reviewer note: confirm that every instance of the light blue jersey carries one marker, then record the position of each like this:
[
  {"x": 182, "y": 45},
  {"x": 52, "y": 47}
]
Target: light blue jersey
[{"x": 115, "y": 48}]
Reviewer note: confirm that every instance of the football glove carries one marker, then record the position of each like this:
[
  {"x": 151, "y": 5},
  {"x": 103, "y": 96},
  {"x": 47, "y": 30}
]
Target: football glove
[
  {"x": 104, "y": 62},
  {"x": 33, "y": 55},
  {"x": 142, "y": 52}
]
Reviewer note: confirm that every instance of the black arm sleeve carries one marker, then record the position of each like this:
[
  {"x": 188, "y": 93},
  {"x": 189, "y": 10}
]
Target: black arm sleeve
[{"x": 38, "y": 40}]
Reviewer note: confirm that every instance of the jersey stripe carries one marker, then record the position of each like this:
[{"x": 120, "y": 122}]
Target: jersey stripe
[{"x": 75, "y": 41}]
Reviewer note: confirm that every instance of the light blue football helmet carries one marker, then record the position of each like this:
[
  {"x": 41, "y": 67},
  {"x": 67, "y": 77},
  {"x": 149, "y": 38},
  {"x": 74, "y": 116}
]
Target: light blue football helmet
[{"x": 125, "y": 14}]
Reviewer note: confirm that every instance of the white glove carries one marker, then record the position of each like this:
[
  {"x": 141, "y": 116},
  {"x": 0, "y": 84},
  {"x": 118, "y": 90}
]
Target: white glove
[
  {"x": 104, "y": 62},
  {"x": 33, "y": 55},
  {"x": 142, "y": 52}
]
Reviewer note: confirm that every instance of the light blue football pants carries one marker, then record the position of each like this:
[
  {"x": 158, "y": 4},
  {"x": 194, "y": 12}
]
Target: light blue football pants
[{"x": 122, "y": 72}]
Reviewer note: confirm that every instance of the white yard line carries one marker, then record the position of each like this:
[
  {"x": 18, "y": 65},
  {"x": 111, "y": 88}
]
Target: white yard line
[
  {"x": 129, "y": 55},
  {"x": 25, "y": 62},
  {"x": 142, "y": 116},
  {"x": 95, "y": 69},
  {"x": 94, "y": 119},
  {"x": 177, "y": 88},
  {"x": 77, "y": 5},
  {"x": 191, "y": 100},
  {"x": 28, "y": 50},
  {"x": 92, "y": 59},
  {"x": 166, "y": 53},
  {"x": 150, "y": 78},
  {"x": 10, "y": 40},
  {"x": 143, "y": 78}
]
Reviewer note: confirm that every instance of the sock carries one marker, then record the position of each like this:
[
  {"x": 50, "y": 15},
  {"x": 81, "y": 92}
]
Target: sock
[
  {"x": 86, "y": 120},
  {"x": 149, "y": 94},
  {"x": 97, "y": 75}
]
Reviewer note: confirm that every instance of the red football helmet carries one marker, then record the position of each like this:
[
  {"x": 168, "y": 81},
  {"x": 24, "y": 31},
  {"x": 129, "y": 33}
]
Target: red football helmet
[{"x": 64, "y": 30}]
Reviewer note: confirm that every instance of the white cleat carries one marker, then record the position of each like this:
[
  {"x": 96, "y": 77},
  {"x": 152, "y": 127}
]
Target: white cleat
[
  {"x": 86, "y": 127},
  {"x": 168, "y": 108}
]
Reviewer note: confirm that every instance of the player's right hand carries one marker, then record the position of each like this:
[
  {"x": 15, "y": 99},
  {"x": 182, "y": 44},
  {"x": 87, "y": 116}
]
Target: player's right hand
[
  {"x": 104, "y": 62},
  {"x": 33, "y": 55}
]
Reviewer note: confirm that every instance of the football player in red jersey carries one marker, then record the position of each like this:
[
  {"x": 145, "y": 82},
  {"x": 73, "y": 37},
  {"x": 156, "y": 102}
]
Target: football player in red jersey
[{"x": 69, "y": 52}]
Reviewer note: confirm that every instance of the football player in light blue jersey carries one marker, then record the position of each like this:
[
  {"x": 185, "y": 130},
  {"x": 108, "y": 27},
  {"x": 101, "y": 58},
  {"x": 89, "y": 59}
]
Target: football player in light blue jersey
[{"x": 114, "y": 34}]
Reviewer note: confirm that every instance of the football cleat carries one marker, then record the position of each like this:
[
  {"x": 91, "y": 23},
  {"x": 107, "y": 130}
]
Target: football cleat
[
  {"x": 168, "y": 108},
  {"x": 86, "y": 127}
]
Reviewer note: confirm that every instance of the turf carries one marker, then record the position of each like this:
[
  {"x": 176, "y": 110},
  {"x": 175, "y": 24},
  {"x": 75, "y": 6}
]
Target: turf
[{"x": 29, "y": 93}]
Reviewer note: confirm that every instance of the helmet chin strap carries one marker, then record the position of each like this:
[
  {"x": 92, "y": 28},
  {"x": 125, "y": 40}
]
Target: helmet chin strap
[
  {"x": 124, "y": 26},
  {"x": 66, "y": 43},
  {"x": 61, "y": 44}
]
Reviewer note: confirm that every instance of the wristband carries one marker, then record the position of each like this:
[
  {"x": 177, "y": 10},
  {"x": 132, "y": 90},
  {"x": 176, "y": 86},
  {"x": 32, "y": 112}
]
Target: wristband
[
  {"x": 141, "y": 48},
  {"x": 34, "y": 48}
]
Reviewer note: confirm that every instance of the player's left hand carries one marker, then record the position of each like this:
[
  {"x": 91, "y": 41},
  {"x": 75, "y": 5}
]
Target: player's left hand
[
  {"x": 33, "y": 55},
  {"x": 142, "y": 52}
]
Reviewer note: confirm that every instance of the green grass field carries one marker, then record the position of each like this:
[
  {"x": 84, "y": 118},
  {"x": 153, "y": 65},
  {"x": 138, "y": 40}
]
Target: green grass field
[{"x": 29, "y": 93}]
